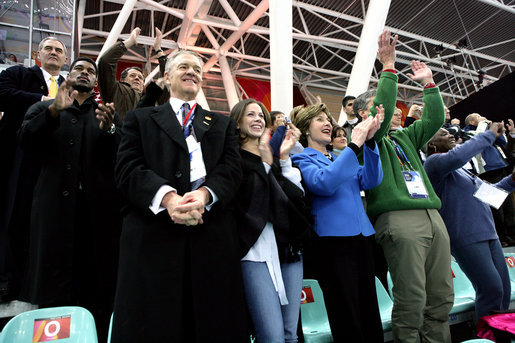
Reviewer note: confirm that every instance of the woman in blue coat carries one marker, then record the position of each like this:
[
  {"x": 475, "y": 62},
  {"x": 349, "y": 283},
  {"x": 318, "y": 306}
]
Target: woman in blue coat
[{"x": 344, "y": 248}]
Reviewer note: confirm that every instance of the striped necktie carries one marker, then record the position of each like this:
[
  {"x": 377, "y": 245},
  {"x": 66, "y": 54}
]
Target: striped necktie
[
  {"x": 185, "y": 108},
  {"x": 52, "y": 90}
]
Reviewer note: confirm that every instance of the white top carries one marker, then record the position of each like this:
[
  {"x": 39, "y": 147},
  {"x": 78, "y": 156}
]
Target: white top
[
  {"x": 176, "y": 107},
  {"x": 265, "y": 248},
  {"x": 353, "y": 121}
]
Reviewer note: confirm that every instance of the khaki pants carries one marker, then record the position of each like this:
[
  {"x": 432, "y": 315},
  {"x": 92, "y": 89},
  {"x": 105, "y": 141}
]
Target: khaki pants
[{"x": 416, "y": 247}]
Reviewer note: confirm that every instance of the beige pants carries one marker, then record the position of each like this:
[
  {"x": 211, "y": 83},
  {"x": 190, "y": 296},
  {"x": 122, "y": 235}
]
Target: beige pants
[{"x": 416, "y": 247}]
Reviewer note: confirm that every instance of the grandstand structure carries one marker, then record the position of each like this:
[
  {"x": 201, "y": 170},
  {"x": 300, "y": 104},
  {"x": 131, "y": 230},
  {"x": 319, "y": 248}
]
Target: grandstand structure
[{"x": 467, "y": 43}]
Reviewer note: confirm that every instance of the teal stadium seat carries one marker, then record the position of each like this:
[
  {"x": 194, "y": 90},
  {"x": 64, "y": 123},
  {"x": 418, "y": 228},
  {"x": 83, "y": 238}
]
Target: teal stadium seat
[
  {"x": 390, "y": 284},
  {"x": 110, "y": 329},
  {"x": 464, "y": 293},
  {"x": 510, "y": 261},
  {"x": 385, "y": 305},
  {"x": 64, "y": 324},
  {"x": 315, "y": 324}
]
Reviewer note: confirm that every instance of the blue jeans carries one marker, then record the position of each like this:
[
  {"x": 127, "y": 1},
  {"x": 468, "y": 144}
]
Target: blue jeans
[
  {"x": 273, "y": 322},
  {"x": 485, "y": 266}
]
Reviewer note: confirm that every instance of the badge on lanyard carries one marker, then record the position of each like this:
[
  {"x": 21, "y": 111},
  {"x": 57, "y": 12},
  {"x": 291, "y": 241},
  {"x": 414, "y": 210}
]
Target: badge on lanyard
[
  {"x": 415, "y": 184},
  {"x": 501, "y": 152},
  {"x": 412, "y": 178},
  {"x": 491, "y": 194},
  {"x": 197, "y": 167}
]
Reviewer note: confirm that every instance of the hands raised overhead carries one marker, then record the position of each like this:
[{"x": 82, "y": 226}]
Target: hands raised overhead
[
  {"x": 133, "y": 38},
  {"x": 386, "y": 49},
  {"x": 421, "y": 72}
]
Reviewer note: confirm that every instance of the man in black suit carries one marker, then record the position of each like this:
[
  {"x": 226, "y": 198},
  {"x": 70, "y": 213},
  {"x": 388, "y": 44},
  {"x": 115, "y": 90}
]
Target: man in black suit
[
  {"x": 75, "y": 220},
  {"x": 20, "y": 87},
  {"x": 178, "y": 166}
]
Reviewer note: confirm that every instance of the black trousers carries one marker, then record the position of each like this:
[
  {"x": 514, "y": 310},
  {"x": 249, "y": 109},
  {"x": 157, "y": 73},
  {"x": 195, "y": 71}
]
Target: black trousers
[{"x": 345, "y": 271}]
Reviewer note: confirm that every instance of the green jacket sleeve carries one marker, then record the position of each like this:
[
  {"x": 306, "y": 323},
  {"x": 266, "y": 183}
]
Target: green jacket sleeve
[
  {"x": 387, "y": 96},
  {"x": 433, "y": 117}
]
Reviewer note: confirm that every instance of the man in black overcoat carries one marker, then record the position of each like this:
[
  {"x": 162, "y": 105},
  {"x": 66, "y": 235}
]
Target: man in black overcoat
[
  {"x": 75, "y": 221},
  {"x": 178, "y": 167},
  {"x": 20, "y": 87}
]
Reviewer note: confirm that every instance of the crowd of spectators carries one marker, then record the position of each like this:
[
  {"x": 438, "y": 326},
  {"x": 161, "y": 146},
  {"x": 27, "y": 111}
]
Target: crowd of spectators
[
  {"x": 9, "y": 59},
  {"x": 175, "y": 217}
]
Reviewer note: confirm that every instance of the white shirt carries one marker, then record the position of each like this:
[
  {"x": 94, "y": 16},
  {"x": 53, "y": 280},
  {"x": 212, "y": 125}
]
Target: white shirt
[
  {"x": 176, "y": 107},
  {"x": 353, "y": 121}
]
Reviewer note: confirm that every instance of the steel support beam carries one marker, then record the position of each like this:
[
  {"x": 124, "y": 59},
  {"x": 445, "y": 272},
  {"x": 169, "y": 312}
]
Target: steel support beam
[
  {"x": 118, "y": 26},
  {"x": 202, "y": 101},
  {"x": 80, "y": 22},
  {"x": 245, "y": 25},
  {"x": 498, "y": 4},
  {"x": 228, "y": 80},
  {"x": 281, "y": 58},
  {"x": 365, "y": 55},
  {"x": 187, "y": 21}
]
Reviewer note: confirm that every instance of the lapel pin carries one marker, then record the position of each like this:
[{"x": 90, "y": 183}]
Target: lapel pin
[
  {"x": 207, "y": 117},
  {"x": 206, "y": 123}
]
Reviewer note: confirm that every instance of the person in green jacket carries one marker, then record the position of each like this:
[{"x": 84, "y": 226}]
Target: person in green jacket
[{"x": 404, "y": 208}]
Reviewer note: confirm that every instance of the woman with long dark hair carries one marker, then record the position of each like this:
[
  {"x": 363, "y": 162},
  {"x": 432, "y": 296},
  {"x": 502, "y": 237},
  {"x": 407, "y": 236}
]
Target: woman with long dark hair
[{"x": 271, "y": 225}]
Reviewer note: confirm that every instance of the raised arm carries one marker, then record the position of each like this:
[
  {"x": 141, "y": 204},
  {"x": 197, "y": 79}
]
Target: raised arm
[
  {"x": 323, "y": 179},
  {"x": 508, "y": 183},
  {"x": 438, "y": 166},
  {"x": 107, "y": 83},
  {"x": 370, "y": 174},
  {"x": 433, "y": 114},
  {"x": 387, "y": 87}
]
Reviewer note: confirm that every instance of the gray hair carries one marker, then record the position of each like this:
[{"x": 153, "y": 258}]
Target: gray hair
[
  {"x": 172, "y": 58},
  {"x": 40, "y": 47},
  {"x": 361, "y": 102}
]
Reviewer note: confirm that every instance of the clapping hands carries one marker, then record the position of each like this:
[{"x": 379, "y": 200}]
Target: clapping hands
[
  {"x": 367, "y": 128},
  {"x": 290, "y": 138},
  {"x": 64, "y": 99}
]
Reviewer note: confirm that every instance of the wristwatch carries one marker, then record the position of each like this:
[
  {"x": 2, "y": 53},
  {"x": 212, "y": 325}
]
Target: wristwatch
[{"x": 111, "y": 130}]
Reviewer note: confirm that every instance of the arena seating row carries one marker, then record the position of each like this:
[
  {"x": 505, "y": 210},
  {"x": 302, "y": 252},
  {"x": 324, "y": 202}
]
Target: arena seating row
[
  {"x": 315, "y": 324},
  {"x": 76, "y": 324}
]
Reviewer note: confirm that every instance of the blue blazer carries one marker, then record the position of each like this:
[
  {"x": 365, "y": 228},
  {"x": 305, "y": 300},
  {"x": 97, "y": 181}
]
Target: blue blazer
[{"x": 335, "y": 188}]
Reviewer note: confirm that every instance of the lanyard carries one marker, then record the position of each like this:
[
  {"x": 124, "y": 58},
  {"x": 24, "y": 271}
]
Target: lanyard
[
  {"x": 474, "y": 177},
  {"x": 403, "y": 159},
  {"x": 187, "y": 118}
]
